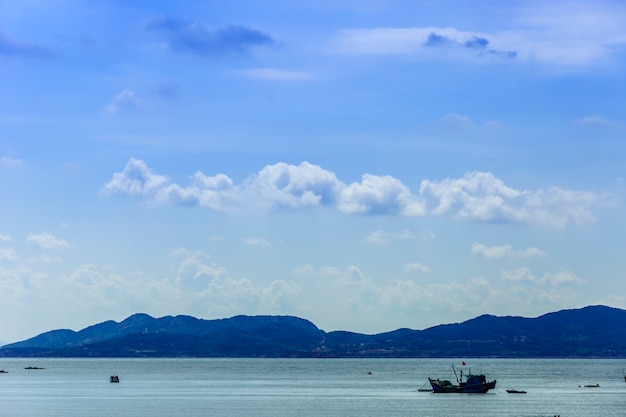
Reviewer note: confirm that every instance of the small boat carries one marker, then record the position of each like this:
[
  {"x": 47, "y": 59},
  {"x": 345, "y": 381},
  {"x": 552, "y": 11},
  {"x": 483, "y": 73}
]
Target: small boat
[
  {"x": 514, "y": 391},
  {"x": 592, "y": 386},
  {"x": 471, "y": 383},
  {"x": 2, "y": 371},
  {"x": 114, "y": 378}
]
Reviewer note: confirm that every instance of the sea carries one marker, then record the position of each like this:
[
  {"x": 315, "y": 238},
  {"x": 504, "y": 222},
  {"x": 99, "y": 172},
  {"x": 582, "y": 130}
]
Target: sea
[{"x": 306, "y": 387}]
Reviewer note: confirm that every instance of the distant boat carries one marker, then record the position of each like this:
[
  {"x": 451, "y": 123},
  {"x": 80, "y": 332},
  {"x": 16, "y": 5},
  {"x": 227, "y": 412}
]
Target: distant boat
[
  {"x": 514, "y": 391},
  {"x": 592, "y": 386},
  {"x": 32, "y": 367},
  {"x": 2, "y": 371},
  {"x": 470, "y": 383},
  {"x": 114, "y": 378}
]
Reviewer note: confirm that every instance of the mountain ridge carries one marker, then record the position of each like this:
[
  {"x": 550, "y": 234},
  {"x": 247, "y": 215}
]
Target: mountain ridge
[{"x": 592, "y": 331}]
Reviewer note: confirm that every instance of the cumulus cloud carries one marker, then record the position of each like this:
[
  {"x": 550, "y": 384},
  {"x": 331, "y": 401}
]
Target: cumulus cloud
[
  {"x": 504, "y": 251},
  {"x": 10, "y": 47},
  {"x": 379, "y": 194},
  {"x": 482, "y": 196},
  {"x": 196, "y": 38},
  {"x": 285, "y": 185},
  {"x": 478, "y": 196},
  {"x": 212, "y": 290},
  {"x": 46, "y": 241}
]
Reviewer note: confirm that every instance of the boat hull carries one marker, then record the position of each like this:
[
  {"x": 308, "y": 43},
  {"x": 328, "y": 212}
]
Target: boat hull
[{"x": 445, "y": 386}]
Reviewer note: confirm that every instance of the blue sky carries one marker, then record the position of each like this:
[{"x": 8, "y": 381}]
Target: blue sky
[{"x": 367, "y": 165}]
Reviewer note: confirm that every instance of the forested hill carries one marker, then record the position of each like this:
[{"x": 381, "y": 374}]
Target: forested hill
[{"x": 594, "y": 331}]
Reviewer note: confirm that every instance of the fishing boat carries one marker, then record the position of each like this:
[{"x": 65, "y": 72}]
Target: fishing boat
[
  {"x": 514, "y": 391},
  {"x": 114, "y": 378},
  {"x": 469, "y": 383}
]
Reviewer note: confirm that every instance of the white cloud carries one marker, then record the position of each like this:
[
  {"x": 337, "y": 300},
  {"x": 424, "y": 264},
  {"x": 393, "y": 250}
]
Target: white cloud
[
  {"x": 525, "y": 275},
  {"x": 46, "y": 241},
  {"x": 398, "y": 41},
  {"x": 124, "y": 100},
  {"x": 256, "y": 241},
  {"x": 7, "y": 254},
  {"x": 276, "y": 74},
  {"x": 482, "y": 196},
  {"x": 5, "y": 238},
  {"x": 293, "y": 185},
  {"x": 476, "y": 196},
  {"x": 596, "y": 121},
  {"x": 416, "y": 266},
  {"x": 6, "y": 162},
  {"x": 381, "y": 237},
  {"x": 454, "y": 120},
  {"x": 562, "y": 34},
  {"x": 379, "y": 194},
  {"x": 504, "y": 251},
  {"x": 574, "y": 33}
]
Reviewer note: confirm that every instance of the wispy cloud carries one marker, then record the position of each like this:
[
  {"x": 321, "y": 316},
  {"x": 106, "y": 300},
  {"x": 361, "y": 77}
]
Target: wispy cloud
[
  {"x": 562, "y": 34},
  {"x": 416, "y": 266},
  {"x": 525, "y": 275},
  {"x": 454, "y": 120},
  {"x": 8, "y": 254},
  {"x": 46, "y": 241},
  {"x": 419, "y": 41},
  {"x": 124, "y": 100},
  {"x": 196, "y": 38},
  {"x": 475, "y": 196},
  {"x": 504, "y": 252},
  {"x": 276, "y": 74},
  {"x": 381, "y": 237},
  {"x": 6, "y": 162},
  {"x": 256, "y": 241},
  {"x": 596, "y": 121},
  {"x": 10, "y": 47}
]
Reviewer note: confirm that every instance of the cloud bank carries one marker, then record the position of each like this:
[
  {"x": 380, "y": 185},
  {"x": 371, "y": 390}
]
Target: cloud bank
[
  {"x": 571, "y": 34},
  {"x": 478, "y": 196}
]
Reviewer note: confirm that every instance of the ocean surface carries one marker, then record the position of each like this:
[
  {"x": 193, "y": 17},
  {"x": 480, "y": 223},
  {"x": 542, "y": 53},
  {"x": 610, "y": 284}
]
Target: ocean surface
[{"x": 305, "y": 387}]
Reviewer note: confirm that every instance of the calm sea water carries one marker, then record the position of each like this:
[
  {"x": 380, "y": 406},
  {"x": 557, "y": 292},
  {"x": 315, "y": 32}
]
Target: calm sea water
[{"x": 305, "y": 387}]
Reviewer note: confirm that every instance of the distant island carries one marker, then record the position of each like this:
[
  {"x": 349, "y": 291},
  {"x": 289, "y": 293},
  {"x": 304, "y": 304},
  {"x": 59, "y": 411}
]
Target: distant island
[{"x": 589, "y": 332}]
